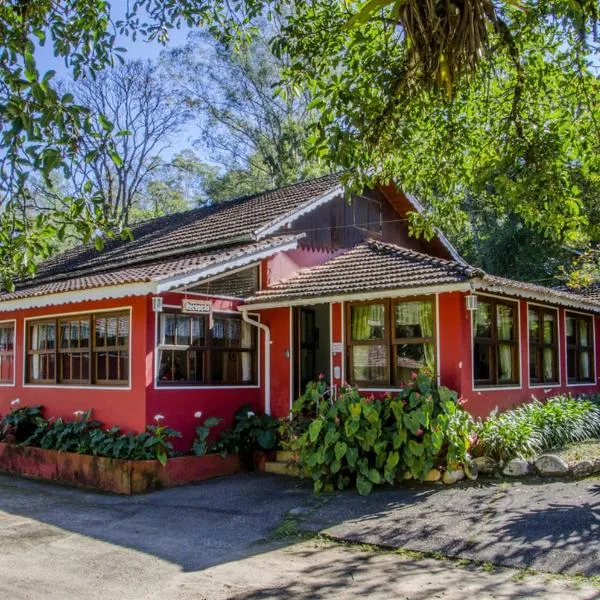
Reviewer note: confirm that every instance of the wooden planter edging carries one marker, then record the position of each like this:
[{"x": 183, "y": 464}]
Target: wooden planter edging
[{"x": 111, "y": 474}]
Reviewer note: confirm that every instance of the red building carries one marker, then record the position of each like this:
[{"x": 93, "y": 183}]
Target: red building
[{"x": 246, "y": 301}]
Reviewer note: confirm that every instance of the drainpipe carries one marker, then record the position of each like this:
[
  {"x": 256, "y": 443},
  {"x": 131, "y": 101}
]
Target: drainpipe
[{"x": 267, "y": 333}]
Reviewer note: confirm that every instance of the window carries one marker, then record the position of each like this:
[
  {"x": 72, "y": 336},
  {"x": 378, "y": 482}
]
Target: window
[
  {"x": 389, "y": 340},
  {"x": 580, "y": 351},
  {"x": 7, "y": 353},
  {"x": 190, "y": 353},
  {"x": 83, "y": 349},
  {"x": 495, "y": 343},
  {"x": 543, "y": 345}
]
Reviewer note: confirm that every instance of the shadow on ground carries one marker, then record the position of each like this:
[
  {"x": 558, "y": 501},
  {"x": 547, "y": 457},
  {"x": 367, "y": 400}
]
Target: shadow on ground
[{"x": 551, "y": 526}]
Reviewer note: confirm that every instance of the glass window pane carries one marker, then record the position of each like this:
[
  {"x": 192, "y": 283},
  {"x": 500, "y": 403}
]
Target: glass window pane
[
  {"x": 111, "y": 331},
  {"x": 124, "y": 365},
  {"x": 84, "y": 333},
  {"x": 183, "y": 330},
  {"x": 168, "y": 329},
  {"x": 64, "y": 334},
  {"x": 65, "y": 360},
  {"x": 550, "y": 374},
  {"x": 534, "y": 370},
  {"x": 571, "y": 335},
  {"x": 549, "y": 327},
  {"x": 123, "y": 337},
  {"x": 414, "y": 319},
  {"x": 101, "y": 366},
  {"x": 483, "y": 320},
  {"x": 198, "y": 331},
  {"x": 173, "y": 365},
  {"x": 412, "y": 358},
  {"x": 505, "y": 322},
  {"x": 585, "y": 365},
  {"x": 584, "y": 332},
  {"x": 367, "y": 322},
  {"x": 100, "y": 332},
  {"x": 534, "y": 326},
  {"x": 506, "y": 354},
  {"x": 482, "y": 362},
  {"x": 369, "y": 364}
]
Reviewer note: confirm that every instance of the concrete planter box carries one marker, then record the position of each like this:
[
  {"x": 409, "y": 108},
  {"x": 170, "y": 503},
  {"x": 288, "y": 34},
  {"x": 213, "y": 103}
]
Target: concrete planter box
[{"x": 110, "y": 474}]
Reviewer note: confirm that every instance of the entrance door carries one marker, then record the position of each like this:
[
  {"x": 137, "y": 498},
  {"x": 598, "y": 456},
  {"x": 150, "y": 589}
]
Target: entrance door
[{"x": 311, "y": 345}]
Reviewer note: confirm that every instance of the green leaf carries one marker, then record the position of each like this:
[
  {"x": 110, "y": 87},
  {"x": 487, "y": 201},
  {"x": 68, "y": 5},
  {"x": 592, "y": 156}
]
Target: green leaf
[
  {"x": 116, "y": 158},
  {"x": 315, "y": 429},
  {"x": 363, "y": 485},
  {"x": 340, "y": 450}
]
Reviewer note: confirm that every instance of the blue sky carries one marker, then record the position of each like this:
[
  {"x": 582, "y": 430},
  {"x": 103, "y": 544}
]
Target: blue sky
[{"x": 138, "y": 49}]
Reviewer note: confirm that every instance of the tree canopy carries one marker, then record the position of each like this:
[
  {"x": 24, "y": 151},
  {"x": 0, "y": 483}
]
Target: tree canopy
[{"x": 473, "y": 105}]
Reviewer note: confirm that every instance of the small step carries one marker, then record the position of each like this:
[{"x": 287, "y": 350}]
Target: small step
[
  {"x": 281, "y": 468},
  {"x": 286, "y": 456}
]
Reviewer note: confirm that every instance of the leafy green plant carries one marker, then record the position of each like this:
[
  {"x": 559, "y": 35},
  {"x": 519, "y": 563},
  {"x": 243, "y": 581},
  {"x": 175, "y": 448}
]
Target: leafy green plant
[
  {"x": 200, "y": 444},
  {"x": 156, "y": 441},
  {"x": 20, "y": 422},
  {"x": 366, "y": 441},
  {"x": 250, "y": 432},
  {"x": 538, "y": 426}
]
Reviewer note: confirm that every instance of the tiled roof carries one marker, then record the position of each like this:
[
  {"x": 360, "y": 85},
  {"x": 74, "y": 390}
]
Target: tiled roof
[
  {"x": 553, "y": 294},
  {"x": 150, "y": 271},
  {"x": 217, "y": 225},
  {"x": 375, "y": 265},
  {"x": 370, "y": 266},
  {"x": 589, "y": 292}
]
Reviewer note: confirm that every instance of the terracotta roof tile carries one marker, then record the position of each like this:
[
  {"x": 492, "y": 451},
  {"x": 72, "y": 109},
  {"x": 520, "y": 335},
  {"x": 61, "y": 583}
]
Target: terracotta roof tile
[
  {"x": 372, "y": 265},
  {"x": 147, "y": 272},
  {"x": 216, "y": 225}
]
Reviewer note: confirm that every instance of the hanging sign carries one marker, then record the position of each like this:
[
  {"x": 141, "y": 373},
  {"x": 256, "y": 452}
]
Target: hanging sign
[{"x": 196, "y": 307}]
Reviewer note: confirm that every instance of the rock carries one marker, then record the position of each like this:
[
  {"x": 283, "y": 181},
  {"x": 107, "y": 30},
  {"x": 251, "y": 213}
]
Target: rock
[
  {"x": 550, "y": 465},
  {"x": 597, "y": 465},
  {"x": 582, "y": 468},
  {"x": 433, "y": 476},
  {"x": 451, "y": 477},
  {"x": 517, "y": 467},
  {"x": 485, "y": 464},
  {"x": 298, "y": 511},
  {"x": 471, "y": 470}
]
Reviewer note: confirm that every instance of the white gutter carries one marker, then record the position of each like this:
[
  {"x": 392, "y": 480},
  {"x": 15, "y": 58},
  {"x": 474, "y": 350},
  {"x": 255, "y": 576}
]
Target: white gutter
[{"x": 267, "y": 332}]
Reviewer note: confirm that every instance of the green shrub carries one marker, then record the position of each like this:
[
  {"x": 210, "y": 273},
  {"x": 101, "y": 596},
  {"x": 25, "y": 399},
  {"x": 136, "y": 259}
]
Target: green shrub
[
  {"x": 86, "y": 436},
  {"x": 19, "y": 423},
  {"x": 200, "y": 444},
  {"x": 363, "y": 442},
  {"x": 250, "y": 432},
  {"x": 538, "y": 426}
]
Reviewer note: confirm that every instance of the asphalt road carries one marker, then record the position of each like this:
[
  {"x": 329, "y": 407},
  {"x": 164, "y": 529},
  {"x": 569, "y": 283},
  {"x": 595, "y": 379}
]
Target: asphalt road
[{"x": 224, "y": 539}]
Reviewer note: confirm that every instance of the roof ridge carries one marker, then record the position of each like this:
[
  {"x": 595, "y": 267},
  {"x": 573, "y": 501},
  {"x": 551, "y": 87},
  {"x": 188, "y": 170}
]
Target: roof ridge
[{"x": 404, "y": 250}]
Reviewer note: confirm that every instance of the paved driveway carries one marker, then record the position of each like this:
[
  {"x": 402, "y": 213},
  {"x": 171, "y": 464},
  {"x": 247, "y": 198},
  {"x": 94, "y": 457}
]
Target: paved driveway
[
  {"x": 550, "y": 526},
  {"x": 216, "y": 540}
]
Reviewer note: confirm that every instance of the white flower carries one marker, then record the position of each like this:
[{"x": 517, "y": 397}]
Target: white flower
[
  {"x": 78, "y": 413},
  {"x": 158, "y": 418},
  {"x": 15, "y": 402},
  {"x": 251, "y": 413},
  {"x": 198, "y": 414}
]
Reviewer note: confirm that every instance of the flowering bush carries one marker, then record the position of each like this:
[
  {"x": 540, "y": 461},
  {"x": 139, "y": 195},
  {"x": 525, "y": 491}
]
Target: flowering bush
[
  {"x": 19, "y": 423},
  {"x": 27, "y": 427},
  {"x": 200, "y": 444},
  {"x": 250, "y": 432},
  {"x": 366, "y": 441}
]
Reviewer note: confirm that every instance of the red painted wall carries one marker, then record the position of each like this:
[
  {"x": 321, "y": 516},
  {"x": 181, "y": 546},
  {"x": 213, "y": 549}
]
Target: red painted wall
[
  {"x": 455, "y": 357},
  {"x": 481, "y": 402},
  {"x": 123, "y": 407},
  {"x": 178, "y": 405}
]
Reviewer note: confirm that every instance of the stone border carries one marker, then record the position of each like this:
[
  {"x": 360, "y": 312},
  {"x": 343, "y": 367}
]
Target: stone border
[{"x": 545, "y": 465}]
